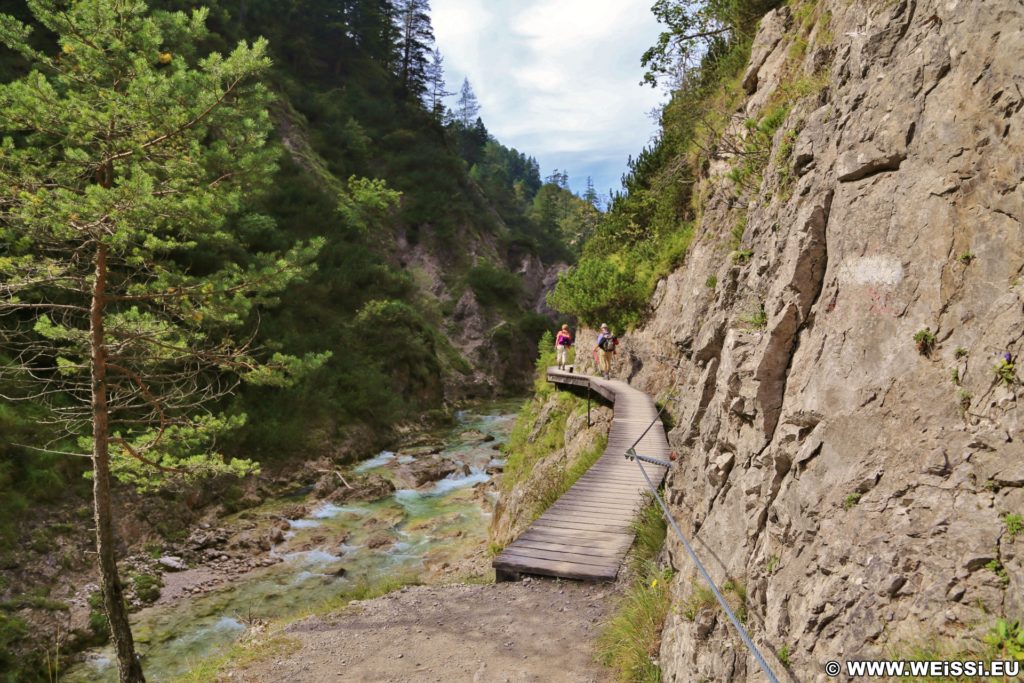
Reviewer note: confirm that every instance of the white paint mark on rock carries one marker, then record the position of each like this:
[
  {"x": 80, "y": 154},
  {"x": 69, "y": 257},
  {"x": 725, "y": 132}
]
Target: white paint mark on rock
[{"x": 871, "y": 270}]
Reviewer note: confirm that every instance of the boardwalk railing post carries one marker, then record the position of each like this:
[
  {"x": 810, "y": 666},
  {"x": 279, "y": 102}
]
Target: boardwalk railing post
[{"x": 588, "y": 405}]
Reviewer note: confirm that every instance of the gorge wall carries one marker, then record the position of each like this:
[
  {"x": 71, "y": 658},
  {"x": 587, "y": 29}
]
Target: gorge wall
[{"x": 856, "y": 480}]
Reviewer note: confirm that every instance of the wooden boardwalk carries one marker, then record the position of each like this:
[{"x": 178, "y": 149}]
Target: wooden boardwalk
[{"x": 586, "y": 533}]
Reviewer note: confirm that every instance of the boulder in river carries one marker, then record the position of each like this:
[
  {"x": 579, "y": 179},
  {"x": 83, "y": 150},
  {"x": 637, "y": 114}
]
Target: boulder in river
[
  {"x": 471, "y": 435},
  {"x": 370, "y": 487},
  {"x": 422, "y": 450},
  {"x": 423, "y": 471},
  {"x": 380, "y": 540}
]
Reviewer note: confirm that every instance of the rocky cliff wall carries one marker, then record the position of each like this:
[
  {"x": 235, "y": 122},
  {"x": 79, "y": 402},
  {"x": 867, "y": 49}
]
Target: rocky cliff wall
[{"x": 856, "y": 480}]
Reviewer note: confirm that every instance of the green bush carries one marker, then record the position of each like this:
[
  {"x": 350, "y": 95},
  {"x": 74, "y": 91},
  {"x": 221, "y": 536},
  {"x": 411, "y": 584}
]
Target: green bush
[
  {"x": 147, "y": 587},
  {"x": 12, "y": 629},
  {"x": 602, "y": 290},
  {"x": 494, "y": 286},
  {"x": 924, "y": 340}
]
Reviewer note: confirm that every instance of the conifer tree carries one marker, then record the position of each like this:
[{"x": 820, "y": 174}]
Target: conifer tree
[
  {"x": 467, "y": 108},
  {"x": 122, "y": 162},
  {"x": 435, "y": 85},
  {"x": 415, "y": 37}
]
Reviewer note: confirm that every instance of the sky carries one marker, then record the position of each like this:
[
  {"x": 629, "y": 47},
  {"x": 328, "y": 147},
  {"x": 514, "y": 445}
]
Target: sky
[{"x": 558, "y": 80}]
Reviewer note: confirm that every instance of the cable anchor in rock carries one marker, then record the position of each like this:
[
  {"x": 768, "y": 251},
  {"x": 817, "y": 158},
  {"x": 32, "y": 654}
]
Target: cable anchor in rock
[{"x": 631, "y": 454}]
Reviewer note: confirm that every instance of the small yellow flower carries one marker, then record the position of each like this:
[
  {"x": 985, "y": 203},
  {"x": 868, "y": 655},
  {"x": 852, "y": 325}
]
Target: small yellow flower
[
  {"x": 166, "y": 57},
  {"x": 654, "y": 583},
  {"x": 67, "y": 48}
]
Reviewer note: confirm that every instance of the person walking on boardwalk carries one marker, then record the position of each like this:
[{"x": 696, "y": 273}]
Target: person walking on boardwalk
[
  {"x": 605, "y": 348},
  {"x": 562, "y": 343}
]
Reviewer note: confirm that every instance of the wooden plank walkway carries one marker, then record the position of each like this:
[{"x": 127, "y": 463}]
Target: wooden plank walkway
[{"x": 586, "y": 533}]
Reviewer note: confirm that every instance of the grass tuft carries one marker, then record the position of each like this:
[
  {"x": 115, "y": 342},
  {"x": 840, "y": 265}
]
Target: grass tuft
[{"x": 631, "y": 639}]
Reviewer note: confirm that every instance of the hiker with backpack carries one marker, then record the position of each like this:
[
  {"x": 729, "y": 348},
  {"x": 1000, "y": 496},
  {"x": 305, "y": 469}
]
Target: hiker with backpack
[
  {"x": 562, "y": 343},
  {"x": 605, "y": 348}
]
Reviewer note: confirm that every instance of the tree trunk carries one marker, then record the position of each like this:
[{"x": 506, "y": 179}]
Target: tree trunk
[{"x": 113, "y": 594}]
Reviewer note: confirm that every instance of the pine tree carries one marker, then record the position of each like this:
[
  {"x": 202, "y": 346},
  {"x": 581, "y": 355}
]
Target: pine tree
[
  {"x": 467, "y": 108},
  {"x": 415, "y": 37},
  {"x": 122, "y": 162},
  {"x": 435, "y": 85},
  {"x": 590, "y": 194}
]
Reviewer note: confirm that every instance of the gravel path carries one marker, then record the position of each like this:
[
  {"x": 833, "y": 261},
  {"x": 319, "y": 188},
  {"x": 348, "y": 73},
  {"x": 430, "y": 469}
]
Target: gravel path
[{"x": 534, "y": 630}]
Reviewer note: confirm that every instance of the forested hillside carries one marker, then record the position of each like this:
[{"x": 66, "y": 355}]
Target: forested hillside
[{"x": 437, "y": 244}]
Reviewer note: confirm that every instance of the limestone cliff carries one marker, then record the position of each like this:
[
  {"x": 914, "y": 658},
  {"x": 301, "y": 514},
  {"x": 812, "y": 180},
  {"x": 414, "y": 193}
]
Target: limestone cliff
[{"x": 856, "y": 479}]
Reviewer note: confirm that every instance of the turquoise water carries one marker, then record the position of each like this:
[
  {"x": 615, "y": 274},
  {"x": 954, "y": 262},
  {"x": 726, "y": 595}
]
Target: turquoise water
[{"x": 326, "y": 554}]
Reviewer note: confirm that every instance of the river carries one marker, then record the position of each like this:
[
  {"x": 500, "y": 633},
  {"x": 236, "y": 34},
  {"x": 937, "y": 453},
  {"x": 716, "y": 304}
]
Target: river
[{"x": 326, "y": 554}]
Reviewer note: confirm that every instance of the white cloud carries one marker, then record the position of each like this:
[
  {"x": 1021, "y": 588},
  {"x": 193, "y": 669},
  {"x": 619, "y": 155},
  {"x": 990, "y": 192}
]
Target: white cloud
[{"x": 556, "y": 79}]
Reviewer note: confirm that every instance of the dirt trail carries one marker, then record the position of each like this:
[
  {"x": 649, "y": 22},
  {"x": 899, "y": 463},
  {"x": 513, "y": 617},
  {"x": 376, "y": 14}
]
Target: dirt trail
[{"x": 534, "y": 630}]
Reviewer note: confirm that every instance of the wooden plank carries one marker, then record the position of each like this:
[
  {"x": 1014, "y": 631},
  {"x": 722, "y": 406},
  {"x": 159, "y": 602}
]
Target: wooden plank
[
  {"x": 578, "y": 534},
  {"x": 596, "y": 528},
  {"x": 582, "y": 502},
  {"x": 596, "y": 523},
  {"x": 599, "y": 486},
  {"x": 612, "y": 543},
  {"x": 567, "y": 553},
  {"x": 597, "y": 496},
  {"x": 603, "y": 522},
  {"x": 565, "y": 570},
  {"x": 559, "y": 556}
]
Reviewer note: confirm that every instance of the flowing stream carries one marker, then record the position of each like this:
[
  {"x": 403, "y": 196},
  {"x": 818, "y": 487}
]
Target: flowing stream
[{"x": 326, "y": 553}]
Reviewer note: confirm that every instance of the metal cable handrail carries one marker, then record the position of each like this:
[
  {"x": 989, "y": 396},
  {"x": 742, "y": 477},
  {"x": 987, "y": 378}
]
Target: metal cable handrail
[{"x": 632, "y": 455}]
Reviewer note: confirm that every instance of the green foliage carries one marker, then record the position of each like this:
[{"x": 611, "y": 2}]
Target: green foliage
[
  {"x": 632, "y": 636},
  {"x": 601, "y": 290},
  {"x": 784, "y": 655},
  {"x": 106, "y": 182},
  {"x": 1003, "y": 641},
  {"x": 851, "y": 500},
  {"x": 755, "y": 149},
  {"x": 494, "y": 286},
  {"x": 1005, "y": 371},
  {"x": 954, "y": 376},
  {"x": 737, "y": 232},
  {"x": 1014, "y": 524},
  {"x": 711, "y": 282},
  {"x": 546, "y": 357},
  {"x": 995, "y": 565},
  {"x": 13, "y": 630},
  {"x": 649, "y": 527},
  {"x": 736, "y": 593},
  {"x": 699, "y": 599},
  {"x": 742, "y": 256},
  {"x": 648, "y": 228},
  {"x": 772, "y": 564},
  {"x": 147, "y": 587},
  {"x": 34, "y": 601},
  {"x": 758, "y": 319},
  {"x": 98, "y": 623},
  {"x": 694, "y": 29},
  {"x": 964, "y": 398},
  {"x": 1006, "y": 640},
  {"x": 547, "y": 492},
  {"x": 524, "y": 452},
  {"x": 966, "y": 258},
  {"x": 960, "y": 352},
  {"x": 924, "y": 340}
]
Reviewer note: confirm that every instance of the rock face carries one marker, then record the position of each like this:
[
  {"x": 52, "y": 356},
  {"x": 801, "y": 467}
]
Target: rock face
[{"x": 857, "y": 488}]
